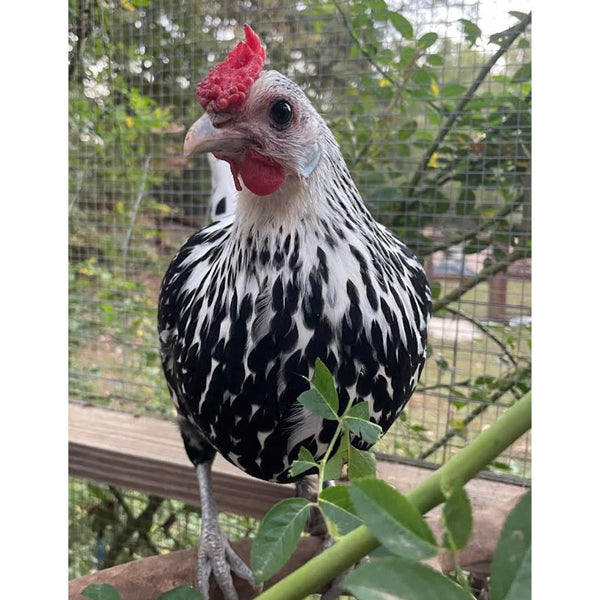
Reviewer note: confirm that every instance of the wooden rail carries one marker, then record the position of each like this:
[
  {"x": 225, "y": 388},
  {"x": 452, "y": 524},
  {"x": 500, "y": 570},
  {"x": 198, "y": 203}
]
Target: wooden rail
[{"x": 146, "y": 454}]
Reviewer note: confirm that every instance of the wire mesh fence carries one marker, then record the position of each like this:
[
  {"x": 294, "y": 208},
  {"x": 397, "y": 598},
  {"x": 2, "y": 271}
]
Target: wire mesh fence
[{"x": 430, "y": 102}]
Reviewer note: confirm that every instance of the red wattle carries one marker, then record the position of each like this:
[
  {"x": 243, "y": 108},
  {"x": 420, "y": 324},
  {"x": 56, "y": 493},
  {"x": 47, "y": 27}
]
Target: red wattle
[
  {"x": 261, "y": 174},
  {"x": 236, "y": 179}
]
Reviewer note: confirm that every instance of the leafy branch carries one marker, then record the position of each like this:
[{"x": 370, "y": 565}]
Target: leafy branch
[
  {"x": 391, "y": 519},
  {"x": 483, "y": 227},
  {"x": 287, "y": 519},
  {"x": 398, "y": 85},
  {"x": 460, "y": 107},
  {"x": 509, "y": 382},
  {"x": 142, "y": 524},
  {"x": 444, "y": 386},
  {"x": 369, "y": 512},
  {"x": 361, "y": 47}
]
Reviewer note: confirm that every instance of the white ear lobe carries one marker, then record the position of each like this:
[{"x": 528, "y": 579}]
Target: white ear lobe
[{"x": 310, "y": 160}]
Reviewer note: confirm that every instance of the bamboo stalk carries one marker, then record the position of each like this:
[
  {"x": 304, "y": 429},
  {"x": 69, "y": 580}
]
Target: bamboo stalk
[{"x": 349, "y": 549}]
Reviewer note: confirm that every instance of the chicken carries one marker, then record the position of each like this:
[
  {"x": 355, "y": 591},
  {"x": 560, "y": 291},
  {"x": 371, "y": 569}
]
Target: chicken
[{"x": 302, "y": 271}]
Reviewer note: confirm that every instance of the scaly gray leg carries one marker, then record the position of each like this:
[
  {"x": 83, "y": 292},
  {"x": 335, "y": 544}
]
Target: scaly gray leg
[{"x": 214, "y": 552}]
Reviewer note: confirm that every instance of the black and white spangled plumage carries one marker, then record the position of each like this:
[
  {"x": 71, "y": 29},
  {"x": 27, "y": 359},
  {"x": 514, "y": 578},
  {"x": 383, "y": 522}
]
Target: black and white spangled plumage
[{"x": 249, "y": 303}]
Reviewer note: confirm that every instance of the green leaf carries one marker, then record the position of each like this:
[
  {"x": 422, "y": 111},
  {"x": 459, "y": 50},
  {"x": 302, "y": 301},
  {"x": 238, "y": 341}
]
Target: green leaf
[
  {"x": 427, "y": 40},
  {"x": 472, "y": 31},
  {"x": 457, "y": 519},
  {"x": 321, "y": 399},
  {"x": 518, "y": 14},
  {"x": 435, "y": 60},
  {"x": 323, "y": 381},
  {"x": 380, "y": 552},
  {"x": 338, "y": 509},
  {"x": 472, "y": 247},
  {"x": 511, "y": 567},
  {"x": 523, "y": 43},
  {"x": 488, "y": 380},
  {"x": 392, "y": 578},
  {"x": 421, "y": 76},
  {"x": 315, "y": 403},
  {"x": 379, "y": 8},
  {"x": 452, "y": 90},
  {"x": 523, "y": 74},
  {"x": 303, "y": 463},
  {"x": 101, "y": 591},
  {"x": 333, "y": 467},
  {"x": 466, "y": 202},
  {"x": 367, "y": 431},
  {"x": 441, "y": 362},
  {"x": 182, "y": 592},
  {"x": 402, "y": 25},
  {"x": 392, "y": 519},
  {"x": 361, "y": 463},
  {"x": 99, "y": 492},
  {"x": 441, "y": 205},
  {"x": 501, "y": 37},
  {"x": 406, "y": 130},
  {"x": 278, "y": 536},
  {"x": 360, "y": 410}
]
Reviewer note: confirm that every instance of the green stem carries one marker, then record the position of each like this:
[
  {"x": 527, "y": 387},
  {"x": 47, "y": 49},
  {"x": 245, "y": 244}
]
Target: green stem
[
  {"x": 349, "y": 549},
  {"x": 323, "y": 461}
]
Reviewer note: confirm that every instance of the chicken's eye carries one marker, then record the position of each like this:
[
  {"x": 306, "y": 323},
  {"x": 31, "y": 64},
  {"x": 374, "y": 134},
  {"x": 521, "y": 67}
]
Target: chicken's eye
[{"x": 281, "y": 112}]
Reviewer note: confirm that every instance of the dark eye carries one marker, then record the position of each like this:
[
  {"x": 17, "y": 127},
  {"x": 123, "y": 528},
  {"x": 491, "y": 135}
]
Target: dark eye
[{"x": 281, "y": 112}]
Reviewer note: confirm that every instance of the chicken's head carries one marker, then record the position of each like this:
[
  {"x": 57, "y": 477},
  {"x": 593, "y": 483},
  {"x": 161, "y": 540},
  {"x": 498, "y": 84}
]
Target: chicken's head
[{"x": 258, "y": 121}]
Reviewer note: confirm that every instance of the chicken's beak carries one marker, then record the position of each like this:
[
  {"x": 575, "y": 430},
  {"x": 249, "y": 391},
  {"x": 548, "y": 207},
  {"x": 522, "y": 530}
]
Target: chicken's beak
[{"x": 203, "y": 136}]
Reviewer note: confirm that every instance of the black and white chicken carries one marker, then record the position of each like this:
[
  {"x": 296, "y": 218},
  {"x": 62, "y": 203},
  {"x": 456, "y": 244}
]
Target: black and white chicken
[{"x": 301, "y": 271}]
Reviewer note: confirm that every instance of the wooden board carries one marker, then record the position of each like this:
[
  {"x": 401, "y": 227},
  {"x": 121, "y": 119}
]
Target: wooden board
[{"x": 146, "y": 454}]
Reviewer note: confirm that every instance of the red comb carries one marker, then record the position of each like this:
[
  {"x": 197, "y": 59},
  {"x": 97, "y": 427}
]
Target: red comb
[{"x": 226, "y": 87}]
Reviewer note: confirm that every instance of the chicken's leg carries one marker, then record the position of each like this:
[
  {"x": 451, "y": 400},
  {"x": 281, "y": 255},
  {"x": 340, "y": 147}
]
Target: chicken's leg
[
  {"x": 214, "y": 552},
  {"x": 215, "y": 555}
]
